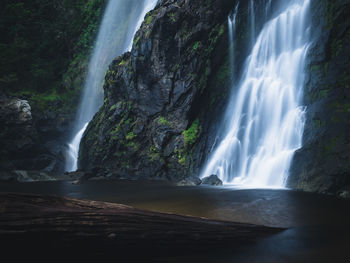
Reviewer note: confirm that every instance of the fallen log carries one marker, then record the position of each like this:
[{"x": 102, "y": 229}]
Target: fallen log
[{"x": 29, "y": 222}]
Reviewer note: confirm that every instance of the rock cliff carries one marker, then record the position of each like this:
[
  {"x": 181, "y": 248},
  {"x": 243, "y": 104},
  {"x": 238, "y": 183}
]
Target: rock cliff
[
  {"x": 153, "y": 123},
  {"x": 163, "y": 100},
  {"x": 44, "y": 52},
  {"x": 323, "y": 163}
]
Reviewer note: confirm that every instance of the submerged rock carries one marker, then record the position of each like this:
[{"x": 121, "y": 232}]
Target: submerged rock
[{"x": 212, "y": 180}]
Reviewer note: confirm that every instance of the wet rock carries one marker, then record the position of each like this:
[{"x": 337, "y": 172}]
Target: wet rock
[
  {"x": 322, "y": 164},
  {"x": 24, "y": 176},
  {"x": 344, "y": 192},
  {"x": 30, "y": 139},
  {"x": 190, "y": 181},
  {"x": 152, "y": 123},
  {"x": 212, "y": 180}
]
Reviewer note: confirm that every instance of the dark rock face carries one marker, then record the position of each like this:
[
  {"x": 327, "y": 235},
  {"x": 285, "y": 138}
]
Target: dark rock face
[
  {"x": 162, "y": 99},
  {"x": 45, "y": 49},
  {"x": 212, "y": 180},
  {"x": 190, "y": 181},
  {"x": 323, "y": 163},
  {"x": 150, "y": 125},
  {"x": 30, "y": 141}
]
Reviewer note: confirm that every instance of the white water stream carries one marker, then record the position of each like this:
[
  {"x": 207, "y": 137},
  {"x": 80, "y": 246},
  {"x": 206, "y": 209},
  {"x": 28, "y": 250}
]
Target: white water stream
[
  {"x": 265, "y": 117},
  {"x": 121, "y": 20}
]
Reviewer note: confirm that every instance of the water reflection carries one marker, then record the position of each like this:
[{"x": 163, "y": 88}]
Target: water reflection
[{"x": 319, "y": 226}]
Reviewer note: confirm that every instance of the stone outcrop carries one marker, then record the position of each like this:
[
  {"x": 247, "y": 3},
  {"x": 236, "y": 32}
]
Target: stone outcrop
[
  {"x": 212, "y": 180},
  {"x": 31, "y": 140},
  {"x": 323, "y": 163},
  {"x": 162, "y": 99}
]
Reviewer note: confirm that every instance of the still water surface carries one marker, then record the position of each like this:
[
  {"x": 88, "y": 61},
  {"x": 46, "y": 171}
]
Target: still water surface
[{"x": 318, "y": 225}]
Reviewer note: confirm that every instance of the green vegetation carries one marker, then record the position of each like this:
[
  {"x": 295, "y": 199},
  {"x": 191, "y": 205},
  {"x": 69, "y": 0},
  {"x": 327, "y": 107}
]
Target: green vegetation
[
  {"x": 131, "y": 135},
  {"x": 123, "y": 62},
  {"x": 136, "y": 40},
  {"x": 153, "y": 153},
  {"x": 184, "y": 30},
  {"x": 172, "y": 17},
  {"x": 163, "y": 121},
  {"x": 214, "y": 36},
  {"x": 149, "y": 19},
  {"x": 45, "y": 46},
  {"x": 196, "y": 45},
  {"x": 192, "y": 133}
]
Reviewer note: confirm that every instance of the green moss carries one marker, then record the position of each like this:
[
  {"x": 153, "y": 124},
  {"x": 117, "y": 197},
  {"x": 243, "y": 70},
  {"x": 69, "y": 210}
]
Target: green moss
[
  {"x": 192, "y": 133},
  {"x": 149, "y": 19},
  {"x": 163, "y": 121},
  {"x": 181, "y": 156},
  {"x": 123, "y": 62},
  {"x": 153, "y": 153},
  {"x": 136, "y": 40},
  {"x": 133, "y": 146},
  {"x": 184, "y": 31},
  {"x": 196, "y": 45},
  {"x": 172, "y": 17},
  {"x": 130, "y": 136},
  {"x": 214, "y": 36},
  {"x": 113, "y": 107}
]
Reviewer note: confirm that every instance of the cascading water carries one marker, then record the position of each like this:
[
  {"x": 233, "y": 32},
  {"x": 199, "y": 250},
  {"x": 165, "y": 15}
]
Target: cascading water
[
  {"x": 252, "y": 22},
  {"x": 265, "y": 116},
  {"x": 231, "y": 23},
  {"x": 121, "y": 20}
]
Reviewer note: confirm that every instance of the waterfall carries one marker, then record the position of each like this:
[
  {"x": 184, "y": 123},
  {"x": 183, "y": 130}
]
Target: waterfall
[
  {"x": 264, "y": 117},
  {"x": 121, "y": 20},
  {"x": 231, "y": 24},
  {"x": 252, "y": 22}
]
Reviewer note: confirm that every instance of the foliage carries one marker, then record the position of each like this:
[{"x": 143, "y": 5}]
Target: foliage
[
  {"x": 172, "y": 17},
  {"x": 192, "y": 133},
  {"x": 149, "y": 19},
  {"x": 163, "y": 121},
  {"x": 130, "y": 136},
  {"x": 45, "y": 46},
  {"x": 196, "y": 45}
]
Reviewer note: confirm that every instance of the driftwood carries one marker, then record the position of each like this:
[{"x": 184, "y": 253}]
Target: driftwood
[{"x": 51, "y": 224}]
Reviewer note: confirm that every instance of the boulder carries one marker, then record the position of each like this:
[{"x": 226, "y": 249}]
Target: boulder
[
  {"x": 212, "y": 180},
  {"x": 344, "y": 192},
  {"x": 190, "y": 181},
  {"x": 31, "y": 139}
]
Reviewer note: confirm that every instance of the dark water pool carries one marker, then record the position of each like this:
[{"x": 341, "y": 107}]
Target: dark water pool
[{"x": 318, "y": 225}]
